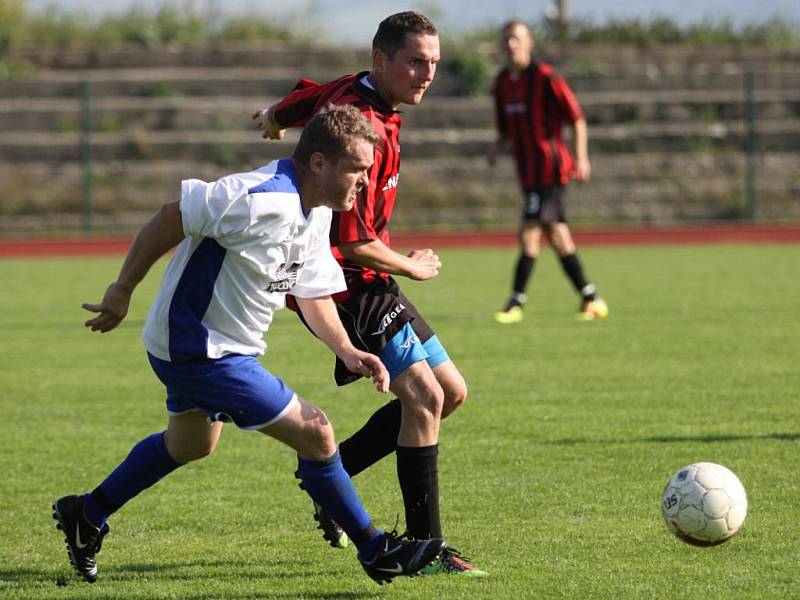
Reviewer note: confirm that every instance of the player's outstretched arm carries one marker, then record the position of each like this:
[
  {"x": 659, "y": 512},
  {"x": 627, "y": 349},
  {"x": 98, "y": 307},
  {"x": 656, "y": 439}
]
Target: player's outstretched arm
[
  {"x": 161, "y": 233},
  {"x": 322, "y": 318},
  {"x": 418, "y": 264}
]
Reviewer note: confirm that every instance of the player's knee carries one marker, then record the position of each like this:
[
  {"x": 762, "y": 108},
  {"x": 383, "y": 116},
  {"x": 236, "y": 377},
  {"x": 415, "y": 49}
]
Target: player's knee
[
  {"x": 189, "y": 452},
  {"x": 454, "y": 398},
  {"x": 320, "y": 440},
  {"x": 426, "y": 405}
]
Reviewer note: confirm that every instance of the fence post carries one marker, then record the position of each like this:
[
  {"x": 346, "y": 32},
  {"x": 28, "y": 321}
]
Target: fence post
[
  {"x": 750, "y": 104},
  {"x": 86, "y": 155}
]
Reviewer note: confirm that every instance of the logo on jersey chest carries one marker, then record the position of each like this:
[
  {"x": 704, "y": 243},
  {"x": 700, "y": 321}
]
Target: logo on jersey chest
[
  {"x": 285, "y": 278},
  {"x": 515, "y": 108},
  {"x": 392, "y": 182}
]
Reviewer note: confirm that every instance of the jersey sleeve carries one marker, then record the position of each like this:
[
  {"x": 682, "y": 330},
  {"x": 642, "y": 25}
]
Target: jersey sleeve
[
  {"x": 217, "y": 209},
  {"x": 568, "y": 104},
  {"x": 296, "y": 109}
]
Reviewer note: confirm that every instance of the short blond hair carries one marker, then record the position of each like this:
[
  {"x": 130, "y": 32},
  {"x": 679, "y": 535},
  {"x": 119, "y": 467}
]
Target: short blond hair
[{"x": 332, "y": 132}]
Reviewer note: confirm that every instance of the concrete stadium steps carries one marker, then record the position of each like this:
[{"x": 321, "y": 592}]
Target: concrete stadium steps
[
  {"x": 240, "y": 146},
  {"x": 128, "y": 113},
  {"x": 667, "y": 133},
  {"x": 626, "y": 59},
  {"x": 783, "y": 78},
  {"x": 252, "y": 82},
  {"x": 233, "y": 112},
  {"x": 273, "y": 79},
  {"x": 628, "y": 187},
  {"x": 289, "y": 55},
  {"x": 621, "y": 106}
]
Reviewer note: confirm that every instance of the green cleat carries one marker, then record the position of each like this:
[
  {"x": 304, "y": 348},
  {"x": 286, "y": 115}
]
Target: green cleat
[
  {"x": 451, "y": 562},
  {"x": 509, "y": 315},
  {"x": 592, "y": 310},
  {"x": 331, "y": 531}
]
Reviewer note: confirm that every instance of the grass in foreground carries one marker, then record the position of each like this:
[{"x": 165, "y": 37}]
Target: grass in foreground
[{"x": 550, "y": 475}]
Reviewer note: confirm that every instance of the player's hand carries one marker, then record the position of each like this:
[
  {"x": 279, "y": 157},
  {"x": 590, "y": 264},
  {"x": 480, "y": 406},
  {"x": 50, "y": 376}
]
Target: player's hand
[
  {"x": 265, "y": 121},
  {"x": 370, "y": 366},
  {"x": 583, "y": 169},
  {"x": 491, "y": 154},
  {"x": 112, "y": 309},
  {"x": 424, "y": 264}
]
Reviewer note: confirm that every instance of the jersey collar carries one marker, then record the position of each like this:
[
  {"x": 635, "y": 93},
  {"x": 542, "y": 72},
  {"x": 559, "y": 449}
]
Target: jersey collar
[{"x": 369, "y": 93}]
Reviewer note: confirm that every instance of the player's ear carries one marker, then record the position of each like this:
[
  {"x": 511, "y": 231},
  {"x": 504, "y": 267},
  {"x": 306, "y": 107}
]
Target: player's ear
[
  {"x": 317, "y": 162},
  {"x": 378, "y": 60}
]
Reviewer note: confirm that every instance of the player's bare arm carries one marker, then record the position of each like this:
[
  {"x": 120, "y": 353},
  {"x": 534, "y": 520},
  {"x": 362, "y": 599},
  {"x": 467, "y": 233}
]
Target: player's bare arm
[
  {"x": 159, "y": 235},
  {"x": 583, "y": 169},
  {"x": 495, "y": 148},
  {"x": 265, "y": 120},
  {"x": 323, "y": 319},
  {"x": 418, "y": 264}
]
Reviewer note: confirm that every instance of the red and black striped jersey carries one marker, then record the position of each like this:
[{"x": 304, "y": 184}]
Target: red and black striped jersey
[
  {"x": 369, "y": 217},
  {"x": 531, "y": 107}
]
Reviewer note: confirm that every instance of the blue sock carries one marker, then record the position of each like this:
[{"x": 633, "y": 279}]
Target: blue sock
[
  {"x": 147, "y": 462},
  {"x": 330, "y": 486}
]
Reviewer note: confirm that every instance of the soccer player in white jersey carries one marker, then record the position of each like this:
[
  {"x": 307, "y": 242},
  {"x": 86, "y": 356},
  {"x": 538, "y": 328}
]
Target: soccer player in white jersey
[{"x": 242, "y": 243}]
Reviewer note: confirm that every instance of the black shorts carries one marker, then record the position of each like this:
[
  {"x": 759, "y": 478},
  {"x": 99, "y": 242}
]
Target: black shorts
[
  {"x": 373, "y": 316},
  {"x": 545, "y": 205}
]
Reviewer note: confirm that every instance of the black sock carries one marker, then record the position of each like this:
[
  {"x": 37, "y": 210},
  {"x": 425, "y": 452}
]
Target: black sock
[
  {"x": 362, "y": 537},
  {"x": 376, "y": 439},
  {"x": 418, "y": 474},
  {"x": 522, "y": 273},
  {"x": 572, "y": 267}
]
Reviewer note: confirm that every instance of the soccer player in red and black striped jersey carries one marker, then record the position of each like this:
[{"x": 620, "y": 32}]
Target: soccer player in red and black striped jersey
[
  {"x": 376, "y": 314},
  {"x": 532, "y": 103}
]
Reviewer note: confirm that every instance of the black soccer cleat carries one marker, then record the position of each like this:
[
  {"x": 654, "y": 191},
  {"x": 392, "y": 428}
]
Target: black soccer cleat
[
  {"x": 83, "y": 539},
  {"x": 401, "y": 556}
]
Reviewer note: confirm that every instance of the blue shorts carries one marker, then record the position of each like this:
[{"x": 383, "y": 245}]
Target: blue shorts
[
  {"x": 405, "y": 349},
  {"x": 233, "y": 388}
]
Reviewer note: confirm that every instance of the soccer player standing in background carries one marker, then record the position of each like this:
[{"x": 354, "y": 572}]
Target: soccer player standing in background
[
  {"x": 532, "y": 102},
  {"x": 377, "y": 315},
  {"x": 243, "y": 242}
]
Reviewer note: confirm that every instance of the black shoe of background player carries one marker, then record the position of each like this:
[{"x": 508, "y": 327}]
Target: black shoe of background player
[{"x": 400, "y": 556}]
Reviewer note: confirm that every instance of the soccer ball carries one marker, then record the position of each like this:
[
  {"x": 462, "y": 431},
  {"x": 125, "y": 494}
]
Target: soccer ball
[{"x": 704, "y": 504}]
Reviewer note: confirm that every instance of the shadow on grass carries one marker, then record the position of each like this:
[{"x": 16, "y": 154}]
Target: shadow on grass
[
  {"x": 668, "y": 439},
  {"x": 60, "y": 578},
  {"x": 66, "y": 325}
]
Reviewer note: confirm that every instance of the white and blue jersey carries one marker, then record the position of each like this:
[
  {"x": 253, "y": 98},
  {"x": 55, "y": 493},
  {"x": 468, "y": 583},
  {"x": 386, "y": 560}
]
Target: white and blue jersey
[{"x": 247, "y": 244}]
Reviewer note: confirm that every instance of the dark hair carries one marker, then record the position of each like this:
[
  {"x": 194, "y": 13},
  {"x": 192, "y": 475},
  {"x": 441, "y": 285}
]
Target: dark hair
[
  {"x": 391, "y": 34},
  {"x": 515, "y": 23},
  {"x": 332, "y": 131}
]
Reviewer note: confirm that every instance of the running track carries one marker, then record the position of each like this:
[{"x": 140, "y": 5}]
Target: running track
[{"x": 99, "y": 246}]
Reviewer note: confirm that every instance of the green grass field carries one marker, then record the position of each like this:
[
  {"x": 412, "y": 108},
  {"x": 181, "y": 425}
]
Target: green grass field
[{"x": 550, "y": 475}]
